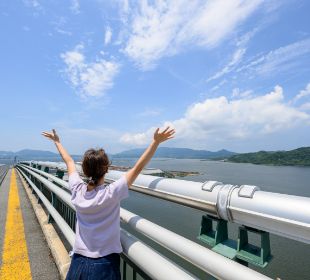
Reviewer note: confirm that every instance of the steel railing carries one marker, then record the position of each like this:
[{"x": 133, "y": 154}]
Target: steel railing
[
  {"x": 135, "y": 252},
  {"x": 3, "y": 171},
  {"x": 280, "y": 214}
]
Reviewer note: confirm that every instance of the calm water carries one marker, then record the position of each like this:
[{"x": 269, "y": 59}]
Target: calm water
[{"x": 291, "y": 258}]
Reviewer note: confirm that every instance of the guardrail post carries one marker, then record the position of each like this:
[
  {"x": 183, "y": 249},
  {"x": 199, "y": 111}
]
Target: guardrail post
[
  {"x": 124, "y": 270},
  {"x": 60, "y": 173},
  {"x": 259, "y": 256},
  {"x": 241, "y": 251},
  {"x": 210, "y": 236},
  {"x": 40, "y": 188},
  {"x": 50, "y": 218}
]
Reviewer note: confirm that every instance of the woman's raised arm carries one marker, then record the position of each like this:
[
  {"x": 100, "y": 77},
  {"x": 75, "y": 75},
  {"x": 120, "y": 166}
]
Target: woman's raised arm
[
  {"x": 62, "y": 151},
  {"x": 159, "y": 137}
]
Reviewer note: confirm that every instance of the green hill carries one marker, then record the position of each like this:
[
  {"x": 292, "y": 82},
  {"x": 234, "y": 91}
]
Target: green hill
[{"x": 298, "y": 157}]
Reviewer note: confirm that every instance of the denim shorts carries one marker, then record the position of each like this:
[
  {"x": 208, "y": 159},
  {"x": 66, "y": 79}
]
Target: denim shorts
[{"x": 85, "y": 268}]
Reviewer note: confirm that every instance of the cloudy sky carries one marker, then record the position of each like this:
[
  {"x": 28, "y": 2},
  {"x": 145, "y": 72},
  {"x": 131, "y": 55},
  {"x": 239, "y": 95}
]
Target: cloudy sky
[{"x": 226, "y": 74}]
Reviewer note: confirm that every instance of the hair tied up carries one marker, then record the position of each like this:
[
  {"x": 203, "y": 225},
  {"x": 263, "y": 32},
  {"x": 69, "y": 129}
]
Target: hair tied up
[{"x": 95, "y": 164}]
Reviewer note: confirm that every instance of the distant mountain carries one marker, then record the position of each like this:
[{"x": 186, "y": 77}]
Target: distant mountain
[
  {"x": 35, "y": 153},
  {"x": 180, "y": 153},
  {"x": 299, "y": 157},
  {"x": 28, "y": 154}
]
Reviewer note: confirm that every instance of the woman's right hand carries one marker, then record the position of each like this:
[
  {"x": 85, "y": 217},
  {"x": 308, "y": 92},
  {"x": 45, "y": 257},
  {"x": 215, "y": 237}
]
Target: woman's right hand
[
  {"x": 166, "y": 134},
  {"x": 51, "y": 135}
]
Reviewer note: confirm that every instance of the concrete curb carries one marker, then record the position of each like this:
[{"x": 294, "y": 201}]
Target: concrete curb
[{"x": 59, "y": 252}]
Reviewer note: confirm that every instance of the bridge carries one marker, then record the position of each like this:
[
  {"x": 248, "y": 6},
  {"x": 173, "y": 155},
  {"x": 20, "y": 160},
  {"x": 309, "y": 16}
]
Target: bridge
[{"x": 37, "y": 224}]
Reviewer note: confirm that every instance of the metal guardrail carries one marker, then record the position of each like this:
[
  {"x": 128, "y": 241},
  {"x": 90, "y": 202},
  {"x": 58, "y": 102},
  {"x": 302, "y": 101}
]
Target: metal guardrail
[
  {"x": 280, "y": 214},
  {"x": 3, "y": 171},
  {"x": 146, "y": 260},
  {"x": 134, "y": 249}
]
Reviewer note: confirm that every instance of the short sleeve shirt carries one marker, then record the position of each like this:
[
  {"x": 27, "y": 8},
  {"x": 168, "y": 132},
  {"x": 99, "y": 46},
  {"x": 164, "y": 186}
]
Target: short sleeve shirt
[{"x": 97, "y": 231}]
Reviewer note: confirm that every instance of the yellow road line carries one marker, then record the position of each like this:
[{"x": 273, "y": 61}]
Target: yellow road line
[{"x": 15, "y": 261}]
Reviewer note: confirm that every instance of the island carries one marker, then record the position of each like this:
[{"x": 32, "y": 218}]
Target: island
[{"x": 296, "y": 157}]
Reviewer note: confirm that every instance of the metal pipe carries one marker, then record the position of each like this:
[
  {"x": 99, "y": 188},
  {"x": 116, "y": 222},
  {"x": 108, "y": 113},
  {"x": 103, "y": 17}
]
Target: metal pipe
[
  {"x": 182, "y": 197},
  {"x": 198, "y": 255},
  {"x": 207, "y": 260},
  {"x": 61, "y": 223},
  {"x": 61, "y": 194},
  {"x": 281, "y": 214},
  {"x": 133, "y": 248},
  {"x": 156, "y": 265},
  {"x": 3, "y": 171},
  {"x": 53, "y": 178}
]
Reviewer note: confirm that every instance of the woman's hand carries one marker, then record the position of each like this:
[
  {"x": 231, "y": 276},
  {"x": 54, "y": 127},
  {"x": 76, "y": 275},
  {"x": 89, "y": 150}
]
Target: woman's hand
[
  {"x": 51, "y": 135},
  {"x": 159, "y": 137},
  {"x": 166, "y": 134}
]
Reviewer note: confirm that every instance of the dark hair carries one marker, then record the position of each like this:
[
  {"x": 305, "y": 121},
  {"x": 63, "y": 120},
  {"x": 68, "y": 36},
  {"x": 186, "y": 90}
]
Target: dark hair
[{"x": 95, "y": 164}]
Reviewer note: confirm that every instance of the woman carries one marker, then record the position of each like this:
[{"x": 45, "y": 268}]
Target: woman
[{"x": 97, "y": 234}]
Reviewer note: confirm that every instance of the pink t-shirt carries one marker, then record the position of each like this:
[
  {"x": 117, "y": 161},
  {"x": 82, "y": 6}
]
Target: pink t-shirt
[{"x": 97, "y": 232}]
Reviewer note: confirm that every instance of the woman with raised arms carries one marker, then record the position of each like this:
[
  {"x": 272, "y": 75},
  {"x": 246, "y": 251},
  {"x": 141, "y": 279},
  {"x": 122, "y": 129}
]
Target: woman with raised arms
[{"x": 97, "y": 234}]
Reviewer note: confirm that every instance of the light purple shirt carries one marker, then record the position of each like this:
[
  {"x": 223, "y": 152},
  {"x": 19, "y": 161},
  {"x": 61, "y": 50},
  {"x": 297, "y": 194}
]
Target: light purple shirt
[{"x": 97, "y": 232}]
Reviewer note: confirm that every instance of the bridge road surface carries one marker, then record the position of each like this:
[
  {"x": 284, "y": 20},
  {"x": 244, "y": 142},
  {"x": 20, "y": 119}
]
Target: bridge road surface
[{"x": 24, "y": 253}]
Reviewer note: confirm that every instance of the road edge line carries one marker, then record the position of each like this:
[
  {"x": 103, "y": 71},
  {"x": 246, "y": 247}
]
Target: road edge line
[{"x": 59, "y": 252}]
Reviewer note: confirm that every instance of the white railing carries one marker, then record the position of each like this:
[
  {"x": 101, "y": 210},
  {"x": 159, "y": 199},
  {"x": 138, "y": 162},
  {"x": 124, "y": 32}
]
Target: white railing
[
  {"x": 3, "y": 170},
  {"x": 280, "y": 214},
  {"x": 151, "y": 262}
]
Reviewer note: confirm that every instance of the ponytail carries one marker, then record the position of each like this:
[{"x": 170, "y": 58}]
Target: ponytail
[{"x": 95, "y": 165}]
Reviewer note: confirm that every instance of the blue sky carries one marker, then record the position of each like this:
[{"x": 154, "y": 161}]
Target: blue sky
[{"x": 226, "y": 74}]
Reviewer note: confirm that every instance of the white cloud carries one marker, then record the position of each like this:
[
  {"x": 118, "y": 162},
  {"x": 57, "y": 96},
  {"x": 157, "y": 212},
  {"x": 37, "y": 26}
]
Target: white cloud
[
  {"x": 303, "y": 93},
  {"x": 237, "y": 93},
  {"x": 60, "y": 26},
  {"x": 278, "y": 60},
  {"x": 35, "y": 5},
  {"x": 305, "y": 106},
  {"x": 63, "y": 32},
  {"x": 108, "y": 35},
  {"x": 238, "y": 54},
  {"x": 220, "y": 119},
  {"x": 165, "y": 28},
  {"x": 135, "y": 139},
  {"x": 32, "y": 3},
  {"x": 75, "y": 6},
  {"x": 92, "y": 79},
  {"x": 149, "y": 113},
  {"x": 93, "y": 137},
  {"x": 235, "y": 60}
]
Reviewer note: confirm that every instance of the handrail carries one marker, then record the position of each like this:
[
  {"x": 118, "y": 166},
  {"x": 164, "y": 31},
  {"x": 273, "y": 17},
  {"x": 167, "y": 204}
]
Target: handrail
[
  {"x": 156, "y": 265},
  {"x": 192, "y": 252},
  {"x": 204, "y": 258},
  {"x": 111, "y": 176},
  {"x": 133, "y": 248},
  {"x": 61, "y": 223},
  {"x": 3, "y": 171},
  {"x": 281, "y": 214}
]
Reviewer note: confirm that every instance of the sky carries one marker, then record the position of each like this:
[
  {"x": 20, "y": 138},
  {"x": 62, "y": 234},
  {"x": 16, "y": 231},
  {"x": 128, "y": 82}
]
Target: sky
[{"x": 225, "y": 74}]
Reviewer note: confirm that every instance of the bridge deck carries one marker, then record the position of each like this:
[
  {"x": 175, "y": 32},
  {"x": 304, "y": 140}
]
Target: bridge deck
[{"x": 24, "y": 251}]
